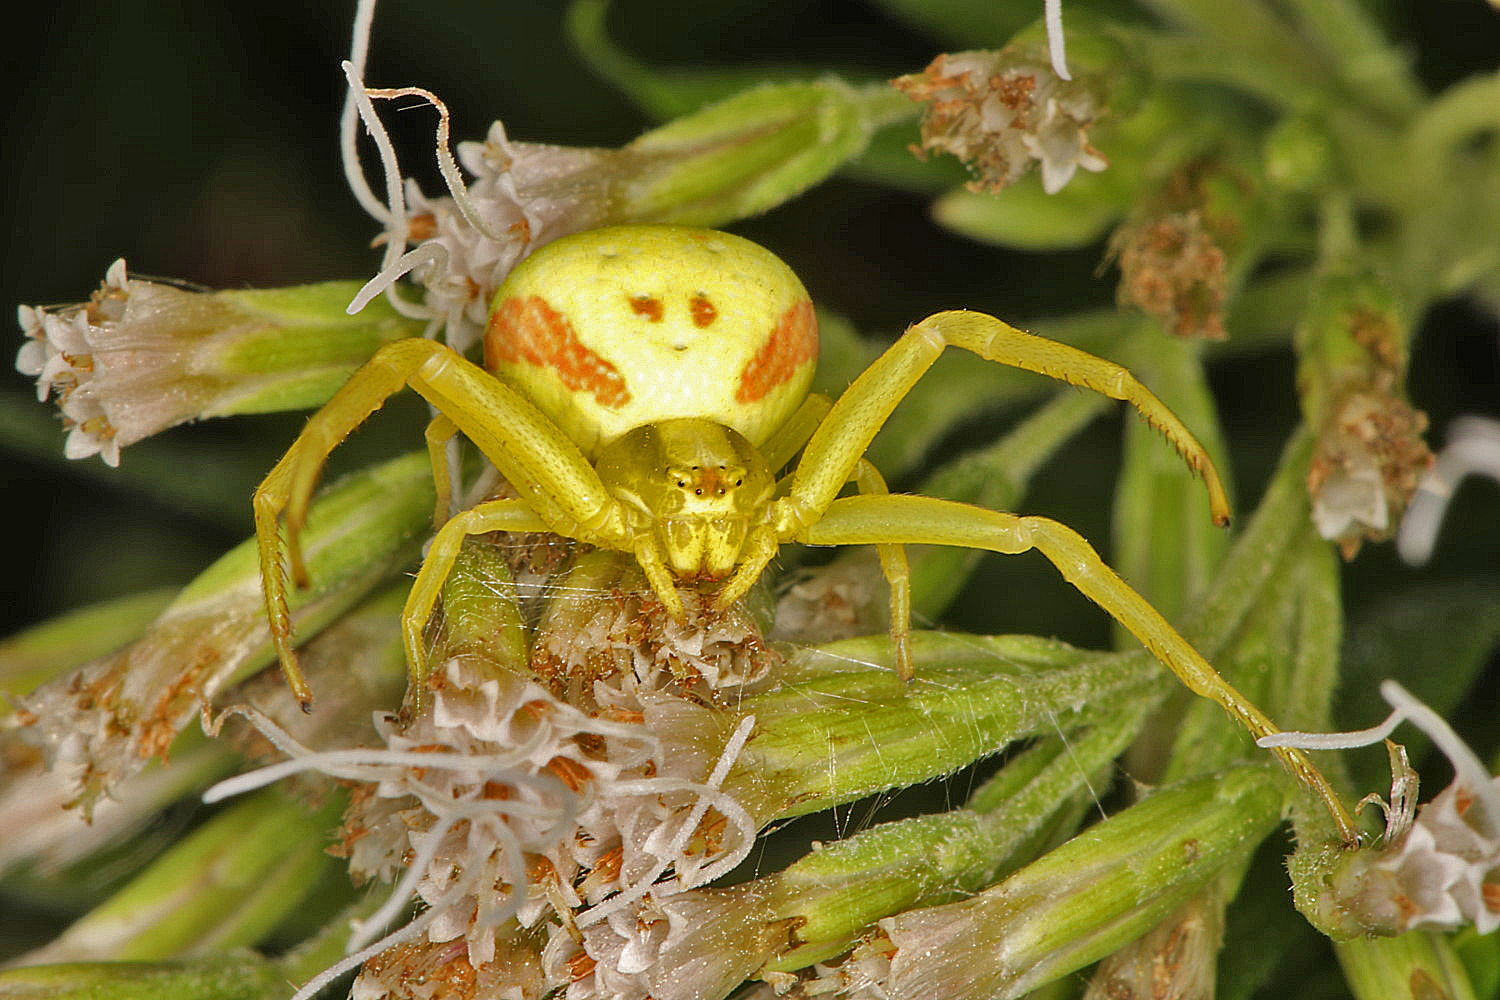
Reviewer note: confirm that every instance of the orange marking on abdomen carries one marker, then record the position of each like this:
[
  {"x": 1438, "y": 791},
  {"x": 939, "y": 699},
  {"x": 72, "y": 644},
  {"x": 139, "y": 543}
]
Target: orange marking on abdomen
[
  {"x": 702, "y": 310},
  {"x": 793, "y": 342},
  {"x": 530, "y": 330},
  {"x": 647, "y": 306}
]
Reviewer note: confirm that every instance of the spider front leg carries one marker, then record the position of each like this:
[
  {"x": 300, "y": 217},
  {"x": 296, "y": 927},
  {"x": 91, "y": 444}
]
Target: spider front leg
[
  {"x": 554, "y": 478},
  {"x": 910, "y": 520},
  {"x": 841, "y": 440}
]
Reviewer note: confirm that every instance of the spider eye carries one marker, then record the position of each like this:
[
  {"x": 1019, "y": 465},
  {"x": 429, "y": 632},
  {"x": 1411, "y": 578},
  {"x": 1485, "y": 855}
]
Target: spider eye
[{"x": 698, "y": 491}]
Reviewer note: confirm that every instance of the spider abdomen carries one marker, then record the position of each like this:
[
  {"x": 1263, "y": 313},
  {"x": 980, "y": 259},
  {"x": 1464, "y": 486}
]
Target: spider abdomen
[{"x": 631, "y": 325}]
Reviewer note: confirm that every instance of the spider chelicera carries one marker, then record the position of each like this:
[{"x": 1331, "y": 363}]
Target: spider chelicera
[{"x": 643, "y": 387}]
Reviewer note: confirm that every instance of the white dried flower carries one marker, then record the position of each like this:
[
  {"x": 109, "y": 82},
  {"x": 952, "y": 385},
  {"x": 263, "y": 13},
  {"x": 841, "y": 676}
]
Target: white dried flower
[
  {"x": 1059, "y": 140},
  {"x": 519, "y": 196},
  {"x": 1368, "y": 460},
  {"x": 42, "y": 831},
  {"x": 1351, "y": 500},
  {"x": 504, "y": 803},
  {"x": 60, "y": 353},
  {"x": 843, "y": 599},
  {"x": 859, "y": 975},
  {"x": 528, "y": 194},
  {"x": 421, "y": 970},
  {"x": 607, "y": 642},
  {"x": 141, "y": 356},
  {"x": 687, "y": 945},
  {"x": 103, "y": 721}
]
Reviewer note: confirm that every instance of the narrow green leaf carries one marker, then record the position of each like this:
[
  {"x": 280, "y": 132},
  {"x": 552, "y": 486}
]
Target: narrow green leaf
[
  {"x": 240, "y": 976},
  {"x": 224, "y": 886}
]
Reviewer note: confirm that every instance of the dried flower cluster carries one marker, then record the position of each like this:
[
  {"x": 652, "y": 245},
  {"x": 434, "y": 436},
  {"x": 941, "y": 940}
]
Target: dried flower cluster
[
  {"x": 1000, "y": 112},
  {"x": 515, "y": 817},
  {"x": 1370, "y": 453},
  {"x": 561, "y": 808},
  {"x": 1172, "y": 268},
  {"x": 519, "y": 197},
  {"x": 1445, "y": 872},
  {"x": 862, "y": 974},
  {"x": 141, "y": 356},
  {"x": 1366, "y": 468},
  {"x": 840, "y": 600}
]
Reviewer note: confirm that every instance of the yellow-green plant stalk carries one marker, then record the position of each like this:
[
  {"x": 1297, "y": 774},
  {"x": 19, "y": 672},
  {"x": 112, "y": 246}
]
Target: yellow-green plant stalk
[
  {"x": 1416, "y": 964},
  {"x": 36, "y": 655},
  {"x": 239, "y": 976},
  {"x": 224, "y": 886},
  {"x": 1082, "y": 901},
  {"x": 814, "y": 910}
]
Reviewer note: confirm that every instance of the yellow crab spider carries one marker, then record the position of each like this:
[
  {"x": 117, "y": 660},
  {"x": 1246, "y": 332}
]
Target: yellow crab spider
[{"x": 644, "y": 386}]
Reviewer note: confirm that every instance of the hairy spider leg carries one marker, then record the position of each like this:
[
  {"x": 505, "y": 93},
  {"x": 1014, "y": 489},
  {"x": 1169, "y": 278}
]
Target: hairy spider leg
[
  {"x": 788, "y": 439},
  {"x": 914, "y": 520},
  {"x": 555, "y": 479},
  {"x": 862, "y": 410},
  {"x": 897, "y": 572},
  {"x": 840, "y": 441}
]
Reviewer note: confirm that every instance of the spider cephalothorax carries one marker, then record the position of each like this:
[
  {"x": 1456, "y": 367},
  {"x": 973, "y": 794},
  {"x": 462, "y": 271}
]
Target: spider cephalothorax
[
  {"x": 645, "y": 387},
  {"x": 693, "y": 488}
]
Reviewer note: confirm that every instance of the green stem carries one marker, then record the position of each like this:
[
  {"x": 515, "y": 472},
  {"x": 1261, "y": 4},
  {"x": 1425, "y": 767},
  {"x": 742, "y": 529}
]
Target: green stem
[{"x": 1374, "y": 72}]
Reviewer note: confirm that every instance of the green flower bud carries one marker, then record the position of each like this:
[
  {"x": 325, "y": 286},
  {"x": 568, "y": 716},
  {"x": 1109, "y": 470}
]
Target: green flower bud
[
  {"x": 1298, "y": 155},
  {"x": 142, "y": 356},
  {"x": 751, "y": 152},
  {"x": 1420, "y": 964}
]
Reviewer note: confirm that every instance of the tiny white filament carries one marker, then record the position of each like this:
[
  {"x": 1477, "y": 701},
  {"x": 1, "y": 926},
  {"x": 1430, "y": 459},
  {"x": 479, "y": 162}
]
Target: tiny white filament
[
  {"x": 396, "y": 226},
  {"x": 354, "y": 173},
  {"x": 708, "y": 795},
  {"x": 1052, "y": 14},
  {"x": 1471, "y": 773},
  {"x": 1473, "y": 448}
]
